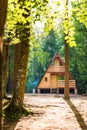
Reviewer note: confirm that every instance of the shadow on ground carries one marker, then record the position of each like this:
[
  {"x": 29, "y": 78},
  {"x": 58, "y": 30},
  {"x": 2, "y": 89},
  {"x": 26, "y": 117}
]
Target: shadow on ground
[
  {"x": 9, "y": 125},
  {"x": 77, "y": 115}
]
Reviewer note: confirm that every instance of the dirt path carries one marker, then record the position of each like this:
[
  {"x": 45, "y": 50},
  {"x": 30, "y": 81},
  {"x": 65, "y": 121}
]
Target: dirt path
[{"x": 54, "y": 113}]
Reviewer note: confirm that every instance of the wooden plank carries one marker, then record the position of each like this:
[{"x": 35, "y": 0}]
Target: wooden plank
[
  {"x": 56, "y": 69},
  {"x": 61, "y": 83}
]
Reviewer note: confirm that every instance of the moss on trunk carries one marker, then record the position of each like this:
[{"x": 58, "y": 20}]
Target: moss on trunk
[
  {"x": 13, "y": 112},
  {"x": 15, "y": 109}
]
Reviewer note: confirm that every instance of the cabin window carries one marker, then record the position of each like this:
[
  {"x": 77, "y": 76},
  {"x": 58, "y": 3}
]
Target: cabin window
[{"x": 46, "y": 79}]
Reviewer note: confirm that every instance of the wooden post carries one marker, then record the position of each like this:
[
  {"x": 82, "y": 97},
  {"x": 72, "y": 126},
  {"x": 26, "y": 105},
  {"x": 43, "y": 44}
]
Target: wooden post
[
  {"x": 38, "y": 90},
  {"x": 58, "y": 91},
  {"x": 50, "y": 90},
  {"x": 57, "y": 85},
  {"x": 75, "y": 91}
]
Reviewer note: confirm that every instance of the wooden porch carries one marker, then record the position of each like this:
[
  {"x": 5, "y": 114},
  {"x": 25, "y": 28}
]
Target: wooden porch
[
  {"x": 59, "y": 88},
  {"x": 61, "y": 84},
  {"x": 56, "y": 69}
]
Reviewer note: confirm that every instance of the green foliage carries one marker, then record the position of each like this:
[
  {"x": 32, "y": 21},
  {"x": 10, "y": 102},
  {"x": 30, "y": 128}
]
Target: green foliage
[
  {"x": 40, "y": 57},
  {"x": 30, "y": 19},
  {"x": 69, "y": 29},
  {"x": 50, "y": 45},
  {"x": 31, "y": 85},
  {"x": 80, "y": 9},
  {"x": 23, "y": 15},
  {"x": 78, "y": 62}
]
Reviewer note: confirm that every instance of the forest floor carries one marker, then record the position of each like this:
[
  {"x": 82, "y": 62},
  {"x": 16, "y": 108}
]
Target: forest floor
[{"x": 53, "y": 113}]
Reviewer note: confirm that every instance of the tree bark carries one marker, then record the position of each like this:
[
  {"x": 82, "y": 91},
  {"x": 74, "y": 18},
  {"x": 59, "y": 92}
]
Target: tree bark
[
  {"x": 3, "y": 11},
  {"x": 4, "y": 69},
  {"x": 66, "y": 90},
  {"x": 0, "y": 83},
  {"x": 20, "y": 62},
  {"x": 19, "y": 74},
  {"x": 16, "y": 107}
]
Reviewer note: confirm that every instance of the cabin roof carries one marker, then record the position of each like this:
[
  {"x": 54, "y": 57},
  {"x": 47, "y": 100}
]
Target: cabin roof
[{"x": 56, "y": 56}]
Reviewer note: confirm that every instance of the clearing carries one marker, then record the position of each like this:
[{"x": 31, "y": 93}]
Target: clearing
[{"x": 53, "y": 113}]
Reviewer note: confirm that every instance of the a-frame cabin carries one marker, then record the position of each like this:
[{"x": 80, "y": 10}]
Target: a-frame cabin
[{"x": 53, "y": 79}]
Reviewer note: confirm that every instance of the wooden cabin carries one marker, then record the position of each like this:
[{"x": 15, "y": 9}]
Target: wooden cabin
[{"x": 53, "y": 79}]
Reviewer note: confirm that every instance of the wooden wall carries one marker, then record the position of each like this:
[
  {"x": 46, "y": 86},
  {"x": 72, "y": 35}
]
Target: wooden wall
[
  {"x": 45, "y": 82},
  {"x": 50, "y": 79},
  {"x": 54, "y": 81}
]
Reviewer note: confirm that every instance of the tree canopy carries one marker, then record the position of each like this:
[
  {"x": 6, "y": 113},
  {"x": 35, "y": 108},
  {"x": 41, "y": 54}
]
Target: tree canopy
[{"x": 47, "y": 32}]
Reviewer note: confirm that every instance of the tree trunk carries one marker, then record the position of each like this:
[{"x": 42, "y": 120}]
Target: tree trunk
[
  {"x": 20, "y": 61},
  {"x": 66, "y": 90},
  {"x": 20, "y": 66},
  {"x": 19, "y": 74},
  {"x": 4, "y": 69},
  {"x": 16, "y": 107},
  {"x": 3, "y": 11},
  {"x": 0, "y": 83}
]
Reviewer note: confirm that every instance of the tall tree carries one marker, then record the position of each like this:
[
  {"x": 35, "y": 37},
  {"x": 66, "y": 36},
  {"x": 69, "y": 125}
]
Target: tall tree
[
  {"x": 3, "y": 11},
  {"x": 66, "y": 90},
  {"x": 22, "y": 33},
  {"x": 4, "y": 69},
  {"x": 20, "y": 61}
]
